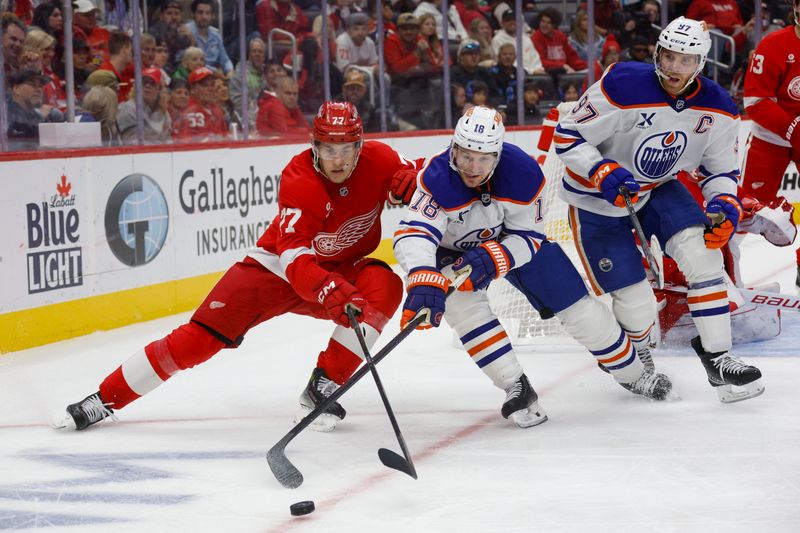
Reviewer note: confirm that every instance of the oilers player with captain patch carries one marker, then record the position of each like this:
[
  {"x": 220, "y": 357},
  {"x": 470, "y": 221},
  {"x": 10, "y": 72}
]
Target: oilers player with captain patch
[
  {"x": 477, "y": 208},
  {"x": 631, "y": 133}
]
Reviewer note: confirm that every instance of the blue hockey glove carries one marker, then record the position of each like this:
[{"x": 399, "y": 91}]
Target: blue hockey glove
[
  {"x": 724, "y": 212},
  {"x": 489, "y": 261},
  {"x": 427, "y": 291},
  {"x": 608, "y": 176}
]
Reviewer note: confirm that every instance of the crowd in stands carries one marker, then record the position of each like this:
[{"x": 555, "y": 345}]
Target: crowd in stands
[{"x": 191, "y": 81}]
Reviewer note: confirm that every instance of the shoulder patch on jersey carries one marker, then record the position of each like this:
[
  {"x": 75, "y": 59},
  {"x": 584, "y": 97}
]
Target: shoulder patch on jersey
[
  {"x": 714, "y": 98},
  {"x": 517, "y": 177},
  {"x": 444, "y": 184},
  {"x": 618, "y": 80}
]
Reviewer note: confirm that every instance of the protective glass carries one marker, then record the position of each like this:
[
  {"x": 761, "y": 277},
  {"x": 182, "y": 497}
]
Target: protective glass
[
  {"x": 337, "y": 151},
  {"x": 668, "y": 61},
  {"x": 473, "y": 163}
]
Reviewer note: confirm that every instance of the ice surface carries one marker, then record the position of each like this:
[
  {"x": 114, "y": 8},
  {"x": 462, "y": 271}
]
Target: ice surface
[{"x": 191, "y": 455}]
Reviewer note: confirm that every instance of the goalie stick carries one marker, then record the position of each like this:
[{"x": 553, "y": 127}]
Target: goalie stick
[
  {"x": 282, "y": 468},
  {"x": 654, "y": 261},
  {"x": 388, "y": 457}
]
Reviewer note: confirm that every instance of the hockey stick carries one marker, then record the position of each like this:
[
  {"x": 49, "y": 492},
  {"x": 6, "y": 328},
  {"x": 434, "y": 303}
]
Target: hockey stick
[
  {"x": 654, "y": 266},
  {"x": 282, "y": 468},
  {"x": 284, "y": 471},
  {"x": 774, "y": 300},
  {"x": 387, "y": 457}
]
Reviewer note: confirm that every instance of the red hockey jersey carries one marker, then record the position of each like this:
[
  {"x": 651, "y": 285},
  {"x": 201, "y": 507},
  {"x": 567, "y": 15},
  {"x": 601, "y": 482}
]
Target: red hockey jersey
[
  {"x": 199, "y": 123},
  {"x": 320, "y": 224},
  {"x": 772, "y": 86}
]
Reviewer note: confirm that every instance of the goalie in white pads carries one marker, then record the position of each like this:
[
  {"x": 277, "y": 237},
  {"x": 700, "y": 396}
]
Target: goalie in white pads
[
  {"x": 654, "y": 124},
  {"x": 477, "y": 206}
]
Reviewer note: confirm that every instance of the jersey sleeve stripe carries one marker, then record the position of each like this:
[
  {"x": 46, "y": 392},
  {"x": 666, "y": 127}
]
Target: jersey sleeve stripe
[
  {"x": 416, "y": 224},
  {"x": 398, "y": 238},
  {"x": 288, "y": 256},
  {"x": 526, "y": 233}
]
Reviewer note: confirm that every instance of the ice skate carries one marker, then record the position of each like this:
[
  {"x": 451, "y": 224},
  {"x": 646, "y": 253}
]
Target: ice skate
[
  {"x": 318, "y": 389},
  {"x": 651, "y": 385},
  {"x": 85, "y": 413},
  {"x": 644, "y": 356},
  {"x": 522, "y": 404},
  {"x": 733, "y": 379}
]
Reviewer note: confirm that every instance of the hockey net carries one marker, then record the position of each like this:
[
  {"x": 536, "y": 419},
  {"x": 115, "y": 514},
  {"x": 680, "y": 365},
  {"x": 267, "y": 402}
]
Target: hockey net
[{"x": 522, "y": 322}]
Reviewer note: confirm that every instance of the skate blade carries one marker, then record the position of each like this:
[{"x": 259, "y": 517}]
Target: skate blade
[
  {"x": 67, "y": 423},
  {"x": 533, "y": 415},
  {"x": 729, "y": 394},
  {"x": 324, "y": 423}
]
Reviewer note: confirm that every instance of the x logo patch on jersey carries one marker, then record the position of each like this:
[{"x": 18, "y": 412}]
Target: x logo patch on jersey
[{"x": 647, "y": 120}]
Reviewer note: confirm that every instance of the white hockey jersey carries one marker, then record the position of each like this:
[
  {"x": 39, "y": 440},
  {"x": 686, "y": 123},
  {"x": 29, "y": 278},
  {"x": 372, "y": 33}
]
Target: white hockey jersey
[
  {"x": 446, "y": 213},
  {"x": 628, "y": 117}
]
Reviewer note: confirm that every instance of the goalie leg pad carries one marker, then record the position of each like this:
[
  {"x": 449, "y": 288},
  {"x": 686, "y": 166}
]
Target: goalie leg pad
[
  {"x": 591, "y": 323},
  {"x": 482, "y": 336},
  {"x": 707, "y": 296}
]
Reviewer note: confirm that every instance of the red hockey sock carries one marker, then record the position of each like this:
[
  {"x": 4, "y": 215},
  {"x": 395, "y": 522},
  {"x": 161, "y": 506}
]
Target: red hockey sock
[{"x": 338, "y": 362}]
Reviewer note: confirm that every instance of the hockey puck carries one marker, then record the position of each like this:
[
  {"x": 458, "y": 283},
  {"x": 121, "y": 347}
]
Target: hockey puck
[{"x": 301, "y": 508}]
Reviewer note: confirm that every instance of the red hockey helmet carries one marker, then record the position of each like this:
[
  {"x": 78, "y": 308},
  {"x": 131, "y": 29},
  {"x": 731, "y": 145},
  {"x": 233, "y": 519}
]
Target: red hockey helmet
[{"x": 337, "y": 122}]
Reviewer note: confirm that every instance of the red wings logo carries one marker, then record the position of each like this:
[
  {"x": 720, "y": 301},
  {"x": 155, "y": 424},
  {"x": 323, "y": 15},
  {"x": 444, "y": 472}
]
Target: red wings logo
[{"x": 349, "y": 233}]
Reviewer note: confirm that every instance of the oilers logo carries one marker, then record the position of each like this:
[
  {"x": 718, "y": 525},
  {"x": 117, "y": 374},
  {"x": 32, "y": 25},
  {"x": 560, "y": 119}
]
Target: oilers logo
[
  {"x": 656, "y": 156},
  {"x": 477, "y": 237}
]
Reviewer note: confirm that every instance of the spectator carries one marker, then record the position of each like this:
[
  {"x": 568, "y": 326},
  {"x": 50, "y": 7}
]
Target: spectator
[
  {"x": 43, "y": 45},
  {"x": 193, "y": 58},
  {"x": 469, "y": 11},
  {"x": 254, "y": 78},
  {"x": 458, "y": 98},
  {"x": 481, "y": 31},
  {"x": 505, "y": 73},
  {"x": 608, "y": 17},
  {"x": 98, "y": 51},
  {"x": 353, "y": 47},
  {"x": 233, "y": 116},
  {"x": 148, "y": 49},
  {"x": 467, "y": 70},
  {"x": 13, "y": 39},
  {"x": 170, "y": 31},
  {"x": 101, "y": 103},
  {"x": 530, "y": 106},
  {"x": 477, "y": 93},
  {"x": 570, "y": 92},
  {"x": 455, "y": 29},
  {"x": 208, "y": 38},
  {"x": 281, "y": 115},
  {"x": 427, "y": 29},
  {"x": 610, "y": 53},
  {"x": 311, "y": 78},
  {"x": 178, "y": 99},
  {"x": 531, "y": 61},
  {"x": 555, "y": 51},
  {"x": 354, "y": 91},
  {"x": 283, "y": 14},
  {"x": 120, "y": 49},
  {"x": 338, "y": 11},
  {"x": 157, "y": 123},
  {"x": 84, "y": 21},
  {"x": 579, "y": 37},
  {"x": 102, "y": 78},
  {"x": 24, "y": 115},
  {"x": 407, "y": 55},
  {"x": 161, "y": 58},
  {"x": 202, "y": 119},
  {"x": 723, "y": 15},
  {"x": 48, "y": 18},
  {"x": 638, "y": 51},
  {"x": 273, "y": 73},
  {"x": 80, "y": 62}
]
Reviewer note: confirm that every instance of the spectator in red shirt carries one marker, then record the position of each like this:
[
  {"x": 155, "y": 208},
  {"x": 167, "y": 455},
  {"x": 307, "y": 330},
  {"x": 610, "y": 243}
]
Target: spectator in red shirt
[
  {"x": 407, "y": 53},
  {"x": 120, "y": 50},
  {"x": 723, "y": 15},
  {"x": 281, "y": 115},
  {"x": 202, "y": 119},
  {"x": 84, "y": 21},
  {"x": 283, "y": 14},
  {"x": 557, "y": 55}
]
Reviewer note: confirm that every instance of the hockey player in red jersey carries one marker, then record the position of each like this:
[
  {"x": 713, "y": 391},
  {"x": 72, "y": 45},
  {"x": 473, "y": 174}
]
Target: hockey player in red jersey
[
  {"x": 310, "y": 261},
  {"x": 772, "y": 100}
]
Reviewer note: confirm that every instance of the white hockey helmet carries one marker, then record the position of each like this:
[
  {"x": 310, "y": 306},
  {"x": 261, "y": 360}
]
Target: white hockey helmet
[
  {"x": 479, "y": 129},
  {"x": 686, "y": 36}
]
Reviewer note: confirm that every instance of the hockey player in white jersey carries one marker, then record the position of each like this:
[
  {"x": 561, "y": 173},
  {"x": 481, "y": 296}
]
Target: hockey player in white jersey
[
  {"x": 633, "y": 131},
  {"x": 477, "y": 206}
]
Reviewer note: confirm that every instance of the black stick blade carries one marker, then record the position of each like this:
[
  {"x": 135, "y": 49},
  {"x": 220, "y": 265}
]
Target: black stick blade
[
  {"x": 396, "y": 461},
  {"x": 284, "y": 471}
]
